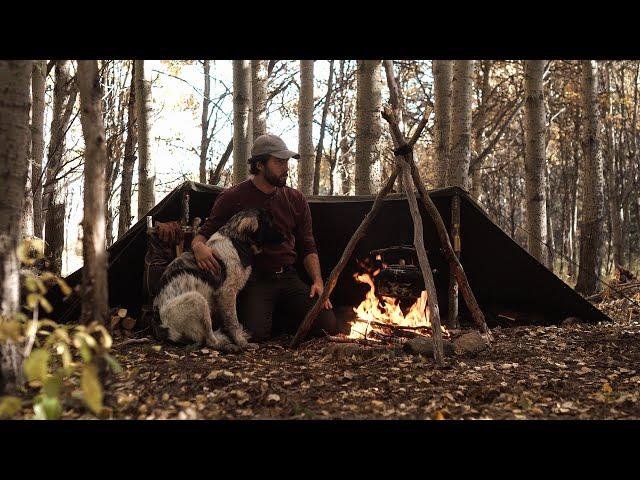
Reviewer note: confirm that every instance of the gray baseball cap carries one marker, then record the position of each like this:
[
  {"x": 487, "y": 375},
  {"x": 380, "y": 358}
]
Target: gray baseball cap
[{"x": 271, "y": 145}]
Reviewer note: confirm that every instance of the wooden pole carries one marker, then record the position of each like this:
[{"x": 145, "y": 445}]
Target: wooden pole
[
  {"x": 450, "y": 255},
  {"x": 423, "y": 260},
  {"x": 452, "y": 320},
  {"x": 312, "y": 314}
]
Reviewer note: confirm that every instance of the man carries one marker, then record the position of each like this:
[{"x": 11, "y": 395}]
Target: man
[{"x": 274, "y": 283}]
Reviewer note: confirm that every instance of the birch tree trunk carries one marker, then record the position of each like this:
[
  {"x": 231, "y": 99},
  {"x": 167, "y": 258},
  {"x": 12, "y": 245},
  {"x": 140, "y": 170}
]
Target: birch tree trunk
[
  {"x": 323, "y": 124},
  {"x": 64, "y": 96},
  {"x": 442, "y": 79},
  {"x": 305, "y": 128},
  {"x": 368, "y": 129},
  {"x": 38, "y": 82},
  {"x": 535, "y": 159},
  {"x": 146, "y": 167},
  {"x": 259, "y": 75},
  {"x": 26, "y": 221},
  {"x": 15, "y": 102},
  {"x": 128, "y": 162},
  {"x": 593, "y": 192},
  {"x": 241, "y": 119},
  {"x": 460, "y": 158},
  {"x": 204, "y": 136},
  {"x": 95, "y": 305}
]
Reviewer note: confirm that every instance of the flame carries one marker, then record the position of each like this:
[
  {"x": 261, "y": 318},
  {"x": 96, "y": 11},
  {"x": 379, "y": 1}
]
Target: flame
[{"x": 389, "y": 311}]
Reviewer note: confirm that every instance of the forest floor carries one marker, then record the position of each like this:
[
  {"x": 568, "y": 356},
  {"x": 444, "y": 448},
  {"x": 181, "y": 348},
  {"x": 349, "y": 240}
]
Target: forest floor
[{"x": 575, "y": 371}]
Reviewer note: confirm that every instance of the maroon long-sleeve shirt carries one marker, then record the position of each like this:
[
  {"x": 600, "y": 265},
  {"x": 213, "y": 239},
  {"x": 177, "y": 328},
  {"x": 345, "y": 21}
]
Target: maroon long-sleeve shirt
[{"x": 291, "y": 215}]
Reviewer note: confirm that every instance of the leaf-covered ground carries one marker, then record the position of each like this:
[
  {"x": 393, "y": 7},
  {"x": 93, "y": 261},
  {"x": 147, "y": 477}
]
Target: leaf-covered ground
[{"x": 575, "y": 371}]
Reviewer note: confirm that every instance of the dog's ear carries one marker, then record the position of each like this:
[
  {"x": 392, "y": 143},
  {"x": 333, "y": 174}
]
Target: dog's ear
[{"x": 248, "y": 225}]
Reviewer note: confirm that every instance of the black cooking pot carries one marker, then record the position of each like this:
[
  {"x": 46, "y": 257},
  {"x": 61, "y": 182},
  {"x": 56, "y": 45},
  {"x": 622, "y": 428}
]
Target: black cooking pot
[{"x": 400, "y": 276}]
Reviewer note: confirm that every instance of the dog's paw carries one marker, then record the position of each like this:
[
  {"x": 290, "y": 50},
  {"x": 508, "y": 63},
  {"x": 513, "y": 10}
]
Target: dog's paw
[{"x": 231, "y": 348}]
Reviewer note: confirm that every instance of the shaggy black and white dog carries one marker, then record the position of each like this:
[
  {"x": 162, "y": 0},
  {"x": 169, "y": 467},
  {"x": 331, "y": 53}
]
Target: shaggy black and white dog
[{"x": 191, "y": 301}]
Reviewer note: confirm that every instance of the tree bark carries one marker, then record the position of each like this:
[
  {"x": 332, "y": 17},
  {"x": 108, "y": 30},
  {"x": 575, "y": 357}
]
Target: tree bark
[
  {"x": 204, "y": 135},
  {"x": 442, "y": 80},
  {"x": 368, "y": 130},
  {"x": 54, "y": 192},
  {"x": 593, "y": 201},
  {"x": 146, "y": 166},
  {"x": 95, "y": 305},
  {"x": 259, "y": 75},
  {"x": 535, "y": 159},
  {"x": 15, "y": 102},
  {"x": 305, "y": 128},
  {"x": 128, "y": 163},
  {"x": 460, "y": 157},
  {"x": 323, "y": 124},
  {"x": 241, "y": 119},
  {"x": 38, "y": 83}
]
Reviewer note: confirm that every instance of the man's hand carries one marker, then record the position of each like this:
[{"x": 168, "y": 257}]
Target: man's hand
[
  {"x": 206, "y": 257},
  {"x": 318, "y": 287}
]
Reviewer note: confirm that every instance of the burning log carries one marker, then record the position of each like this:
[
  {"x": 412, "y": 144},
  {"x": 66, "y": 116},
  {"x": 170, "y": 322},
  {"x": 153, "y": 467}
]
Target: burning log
[{"x": 361, "y": 341}]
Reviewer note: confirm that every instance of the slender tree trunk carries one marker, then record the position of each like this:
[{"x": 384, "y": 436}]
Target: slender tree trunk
[
  {"x": 343, "y": 164},
  {"x": 368, "y": 129},
  {"x": 15, "y": 102},
  {"x": 241, "y": 119},
  {"x": 535, "y": 159},
  {"x": 146, "y": 166},
  {"x": 305, "y": 128},
  {"x": 442, "y": 79},
  {"x": 259, "y": 75},
  {"x": 38, "y": 83},
  {"x": 323, "y": 123},
  {"x": 54, "y": 192},
  {"x": 204, "y": 136},
  {"x": 128, "y": 162},
  {"x": 611, "y": 177},
  {"x": 592, "y": 197},
  {"x": 479, "y": 136},
  {"x": 214, "y": 178},
  {"x": 457, "y": 173},
  {"x": 26, "y": 227},
  {"x": 95, "y": 306}
]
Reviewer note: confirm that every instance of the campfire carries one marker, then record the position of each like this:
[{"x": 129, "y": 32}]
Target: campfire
[{"x": 386, "y": 319}]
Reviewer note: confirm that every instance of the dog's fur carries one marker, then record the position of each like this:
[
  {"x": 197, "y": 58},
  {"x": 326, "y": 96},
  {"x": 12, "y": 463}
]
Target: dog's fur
[{"x": 191, "y": 301}]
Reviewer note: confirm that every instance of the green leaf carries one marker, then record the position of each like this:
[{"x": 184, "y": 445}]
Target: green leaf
[
  {"x": 91, "y": 388},
  {"x": 85, "y": 353},
  {"x": 66, "y": 289},
  {"x": 9, "y": 406},
  {"x": 113, "y": 363},
  {"x": 52, "y": 385},
  {"x": 44, "y": 303},
  {"x": 47, "y": 408},
  {"x": 35, "y": 366},
  {"x": 33, "y": 300}
]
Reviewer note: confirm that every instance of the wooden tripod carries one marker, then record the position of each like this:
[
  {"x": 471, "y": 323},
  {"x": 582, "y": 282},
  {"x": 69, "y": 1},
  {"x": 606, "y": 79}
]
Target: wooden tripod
[{"x": 406, "y": 168}]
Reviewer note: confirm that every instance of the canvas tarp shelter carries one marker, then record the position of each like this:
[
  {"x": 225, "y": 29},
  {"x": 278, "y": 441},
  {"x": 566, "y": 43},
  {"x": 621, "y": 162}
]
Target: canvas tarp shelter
[{"x": 510, "y": 285}]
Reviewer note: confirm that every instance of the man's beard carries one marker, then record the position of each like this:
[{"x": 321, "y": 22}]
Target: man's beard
[{"x": 274, "y": 179}]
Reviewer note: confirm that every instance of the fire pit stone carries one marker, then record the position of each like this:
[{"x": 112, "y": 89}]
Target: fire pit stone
[{"x": 424, "y": 346}]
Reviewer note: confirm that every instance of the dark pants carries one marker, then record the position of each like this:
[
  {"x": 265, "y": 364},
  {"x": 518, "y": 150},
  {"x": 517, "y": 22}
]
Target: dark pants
[{"x": 278, "y": 303}]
